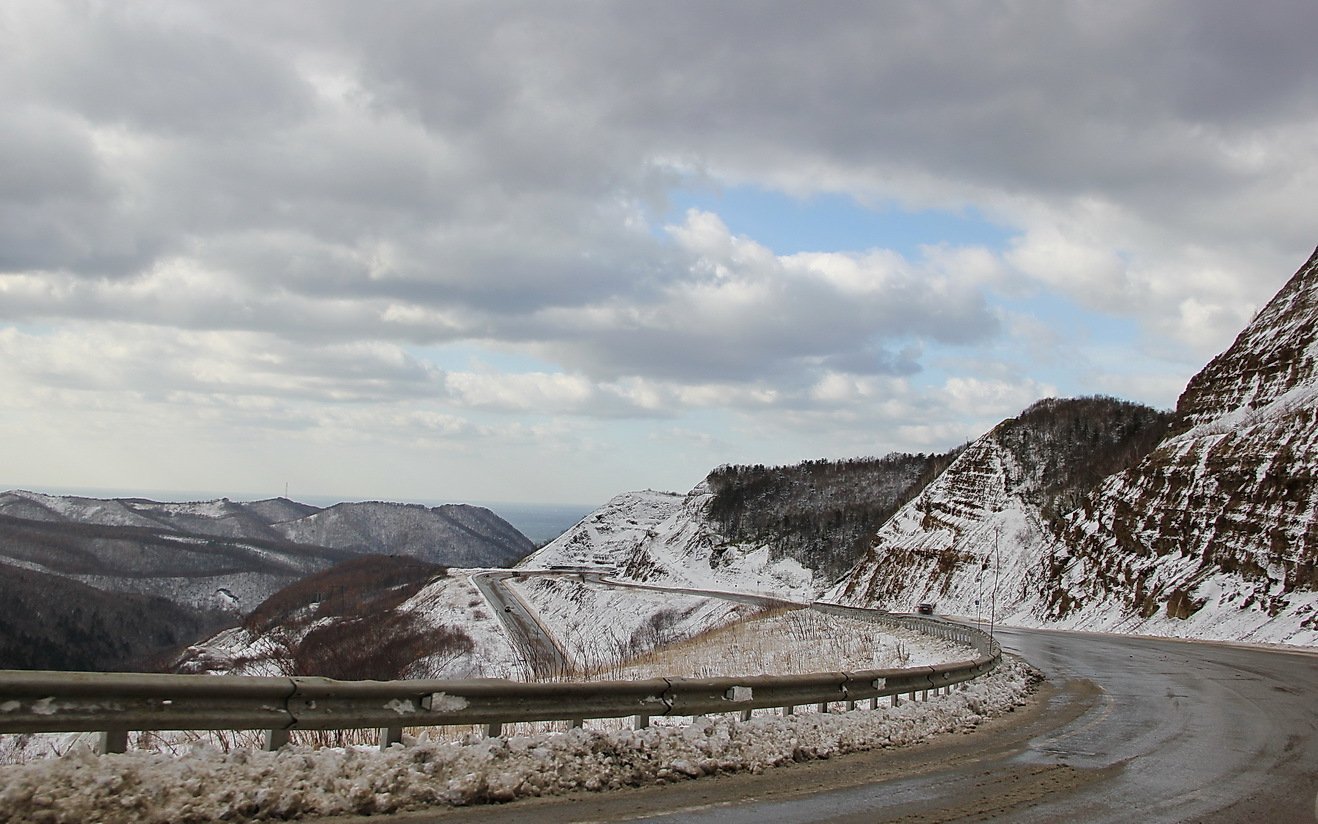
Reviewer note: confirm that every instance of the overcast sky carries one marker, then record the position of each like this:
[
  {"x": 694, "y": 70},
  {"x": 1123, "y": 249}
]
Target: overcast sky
[{"x": 450, "y": 251}]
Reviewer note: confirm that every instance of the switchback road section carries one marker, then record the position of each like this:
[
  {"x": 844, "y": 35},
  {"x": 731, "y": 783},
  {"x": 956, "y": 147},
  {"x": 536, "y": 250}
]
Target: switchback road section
[{"x": 535, "y": 643}]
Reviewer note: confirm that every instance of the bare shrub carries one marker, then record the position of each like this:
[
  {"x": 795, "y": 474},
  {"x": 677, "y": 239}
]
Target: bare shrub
[
  {"x": 361, "y": 586},
  {"x": 381, "y": 648}
]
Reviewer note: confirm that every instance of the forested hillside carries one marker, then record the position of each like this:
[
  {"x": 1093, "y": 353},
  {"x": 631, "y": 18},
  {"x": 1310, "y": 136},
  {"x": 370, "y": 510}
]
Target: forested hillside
[{"x": 822, "y": 513}]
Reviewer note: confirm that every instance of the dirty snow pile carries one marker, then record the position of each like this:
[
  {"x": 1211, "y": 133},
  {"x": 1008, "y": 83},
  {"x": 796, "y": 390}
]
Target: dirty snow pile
[{"x": 207, "y": 785}]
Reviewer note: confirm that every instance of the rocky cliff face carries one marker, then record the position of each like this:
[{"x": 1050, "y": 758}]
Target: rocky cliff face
[
  {"x": 1216, "y": 532},
  {"x": 1213, "y": 533},
  {"x": 979, "y": 539},
  {"x": 1273, "y": 356}
]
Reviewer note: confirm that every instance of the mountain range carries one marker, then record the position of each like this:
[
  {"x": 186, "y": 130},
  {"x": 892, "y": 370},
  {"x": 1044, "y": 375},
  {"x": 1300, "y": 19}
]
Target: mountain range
[{"x": 188, "y": 567}]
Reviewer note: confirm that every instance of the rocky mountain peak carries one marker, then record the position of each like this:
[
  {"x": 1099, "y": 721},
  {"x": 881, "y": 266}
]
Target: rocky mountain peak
[
  {"x": 1216, "y": 531},
  {"x": 1275, "y": 353}
]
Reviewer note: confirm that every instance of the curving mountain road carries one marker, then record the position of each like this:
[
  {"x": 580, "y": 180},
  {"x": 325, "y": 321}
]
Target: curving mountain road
[
  {"x": 1126, "y": 729},
  {"x": 537, "y": 646}
]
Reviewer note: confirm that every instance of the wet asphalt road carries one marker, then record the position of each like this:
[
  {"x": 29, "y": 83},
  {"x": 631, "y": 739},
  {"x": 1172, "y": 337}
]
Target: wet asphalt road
[
  {"x": 538, "y": 649},
  {"x": 1125, "y": 730}
]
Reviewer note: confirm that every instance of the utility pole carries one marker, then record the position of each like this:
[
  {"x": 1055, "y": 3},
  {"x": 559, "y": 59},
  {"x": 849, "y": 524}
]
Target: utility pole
[{"x": 997, "y": 569}]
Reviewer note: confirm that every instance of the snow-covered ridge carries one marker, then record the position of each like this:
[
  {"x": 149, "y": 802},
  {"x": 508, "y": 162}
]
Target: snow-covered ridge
[
  {"x": 1275, "y": 353},
  {"x": 667, "y": 538}
]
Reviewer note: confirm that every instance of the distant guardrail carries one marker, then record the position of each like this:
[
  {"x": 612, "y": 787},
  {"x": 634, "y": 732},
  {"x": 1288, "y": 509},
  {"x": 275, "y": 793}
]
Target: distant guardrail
[{"x": 115, "y": 703}]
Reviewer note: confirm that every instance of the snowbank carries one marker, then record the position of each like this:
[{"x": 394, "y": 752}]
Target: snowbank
[{"x": 206, "y": 785}]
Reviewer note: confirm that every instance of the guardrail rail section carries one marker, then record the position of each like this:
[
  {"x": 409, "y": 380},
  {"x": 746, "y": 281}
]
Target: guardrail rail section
[{"x": 115, "y": 703}]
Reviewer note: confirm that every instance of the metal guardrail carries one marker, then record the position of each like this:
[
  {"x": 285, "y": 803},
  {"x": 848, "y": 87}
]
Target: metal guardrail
[{"x": 114, "y": 703}]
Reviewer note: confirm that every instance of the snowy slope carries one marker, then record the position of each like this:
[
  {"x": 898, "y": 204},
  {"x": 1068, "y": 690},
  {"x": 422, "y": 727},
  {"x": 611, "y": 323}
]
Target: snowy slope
[
  {"x": 451, "y": 601},
  {"x": 1215, "y": 534},
  {"x": 663, "y": 537},
  {"x": 600, "y": 626}
]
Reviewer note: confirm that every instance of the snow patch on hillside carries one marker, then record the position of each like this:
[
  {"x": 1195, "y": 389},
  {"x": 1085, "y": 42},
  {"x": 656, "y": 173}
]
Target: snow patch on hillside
[{"x": 455, "y": 601}]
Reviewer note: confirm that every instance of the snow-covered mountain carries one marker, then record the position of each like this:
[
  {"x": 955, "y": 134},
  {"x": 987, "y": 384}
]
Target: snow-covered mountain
[
  {"x": 1212, "y": 534},
  {"x": 223, "y": 558},
  {"x": 784, "y": 530},
  {"x": 1216, "y": 532},
  {"x": 975, "y": 539},
  {"x": 667, "y": 538},
  {"x": 453, "y": 534},
  {"x": 97, "y": 539}
]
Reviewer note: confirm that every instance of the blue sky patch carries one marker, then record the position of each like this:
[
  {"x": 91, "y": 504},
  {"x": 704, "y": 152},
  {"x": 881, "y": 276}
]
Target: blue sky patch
[{"x": 834, "y": 222}]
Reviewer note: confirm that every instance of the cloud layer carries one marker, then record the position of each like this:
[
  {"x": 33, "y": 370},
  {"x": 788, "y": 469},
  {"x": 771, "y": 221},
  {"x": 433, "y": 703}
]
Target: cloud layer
[{"x": 465, "y": 221}]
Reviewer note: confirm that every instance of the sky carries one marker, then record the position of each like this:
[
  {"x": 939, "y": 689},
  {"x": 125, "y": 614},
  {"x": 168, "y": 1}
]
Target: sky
[{"x": 500, "y": 251}]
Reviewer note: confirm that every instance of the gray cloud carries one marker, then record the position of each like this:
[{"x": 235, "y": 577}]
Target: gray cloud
[{"x": 329, "y": 174}]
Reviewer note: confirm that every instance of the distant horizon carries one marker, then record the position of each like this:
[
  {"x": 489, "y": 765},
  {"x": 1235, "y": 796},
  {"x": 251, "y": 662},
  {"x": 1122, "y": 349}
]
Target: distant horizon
[
  {"x": 315, "y": 499},
  {"x": 537, "y": 520}
]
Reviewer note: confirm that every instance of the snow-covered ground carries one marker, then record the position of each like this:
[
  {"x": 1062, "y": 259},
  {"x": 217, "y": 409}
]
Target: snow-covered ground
[
  {"x": 204, "y": 784},
  {"x": 599, "y": 625}
]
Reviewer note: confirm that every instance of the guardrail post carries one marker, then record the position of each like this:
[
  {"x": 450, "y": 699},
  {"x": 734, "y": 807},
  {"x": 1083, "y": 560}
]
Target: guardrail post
[
  {"x": 494, "y": 729},
  {"x": 746, "y": 714},
  {"x": 823, "y": 707},
  {"x": 274, "y": 739},
  {"x": 112, "y": 741},
  {"x": 851, "y": 706},
  {"x": 640, "y": 722},
  {"x": 896, "y": 700},
  {"x": 789, "y": 710},
  {"x": 390, "y": 736},
  {"x": 578, "y": 723}
]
